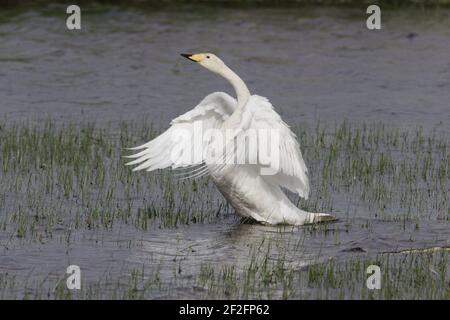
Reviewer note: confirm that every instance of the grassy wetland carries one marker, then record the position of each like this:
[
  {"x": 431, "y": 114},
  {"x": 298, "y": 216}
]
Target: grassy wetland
[
  {"x": 71, "y": 102},
  {"x": 66, "y": 187}
]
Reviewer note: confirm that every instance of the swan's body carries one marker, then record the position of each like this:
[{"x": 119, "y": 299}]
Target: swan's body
[{"x": 250, "y": 191}]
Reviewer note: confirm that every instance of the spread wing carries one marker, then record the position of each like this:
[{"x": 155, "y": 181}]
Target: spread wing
[
  {"x": 289, "y": 171},
  {"x": 180, "y": 146}
]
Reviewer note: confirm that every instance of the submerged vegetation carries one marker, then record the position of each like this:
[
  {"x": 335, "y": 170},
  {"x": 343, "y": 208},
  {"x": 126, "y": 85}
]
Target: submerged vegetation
[{"x": 66, "y": 182}]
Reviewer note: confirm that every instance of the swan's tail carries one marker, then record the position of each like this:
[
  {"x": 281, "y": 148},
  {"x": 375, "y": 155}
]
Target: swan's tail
[
  {"x": 299, "y": 217},
  {"x": 321, "y": 217}
]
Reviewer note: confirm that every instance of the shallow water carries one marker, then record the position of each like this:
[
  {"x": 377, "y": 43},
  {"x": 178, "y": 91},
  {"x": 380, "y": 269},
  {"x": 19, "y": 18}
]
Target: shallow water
[{"x": 314, "y": 64}]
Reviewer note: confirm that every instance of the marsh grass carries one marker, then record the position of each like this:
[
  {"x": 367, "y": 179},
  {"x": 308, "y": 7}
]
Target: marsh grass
[
  {"x": 51, "y": 174},
  {"x": 405, "y": 276},
  {"x": 60, "y": 179}
]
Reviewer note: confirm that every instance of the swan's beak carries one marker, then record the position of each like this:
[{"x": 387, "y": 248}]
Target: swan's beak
[{"x": 193, "y": 57}]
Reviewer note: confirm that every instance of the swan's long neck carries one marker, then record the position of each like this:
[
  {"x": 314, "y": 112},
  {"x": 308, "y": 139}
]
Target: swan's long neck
[{"x": 242, "y": 92}]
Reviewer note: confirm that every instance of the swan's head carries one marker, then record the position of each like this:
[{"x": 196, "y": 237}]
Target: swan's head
[{"x": 208, "y": 60}]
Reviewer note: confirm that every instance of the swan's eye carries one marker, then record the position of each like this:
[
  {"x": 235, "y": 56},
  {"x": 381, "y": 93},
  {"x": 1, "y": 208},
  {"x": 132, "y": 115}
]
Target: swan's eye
[{"x": 207, "y": 57}]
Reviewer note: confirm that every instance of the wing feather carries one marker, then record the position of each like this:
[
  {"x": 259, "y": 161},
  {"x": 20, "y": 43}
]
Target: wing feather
[
  {"x": 291, "y": 172},
  {"x": 171, "y": 147}
]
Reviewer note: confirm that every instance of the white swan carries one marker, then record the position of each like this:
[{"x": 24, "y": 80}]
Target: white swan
[{"x": 250, "y": 191}]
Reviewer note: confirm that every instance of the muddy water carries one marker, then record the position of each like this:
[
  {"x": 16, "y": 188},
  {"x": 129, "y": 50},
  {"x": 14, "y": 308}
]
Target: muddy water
[{"x": 314, "y": 65}]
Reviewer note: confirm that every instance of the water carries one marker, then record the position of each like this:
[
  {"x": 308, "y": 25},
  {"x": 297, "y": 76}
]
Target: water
[{"x": 315, "y": 65}]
